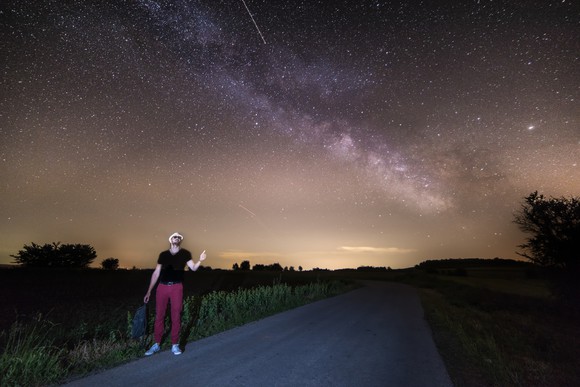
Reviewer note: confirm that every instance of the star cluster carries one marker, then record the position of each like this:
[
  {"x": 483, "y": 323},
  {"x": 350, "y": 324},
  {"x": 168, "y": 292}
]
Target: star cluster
[{"x": 327, "y": 134}]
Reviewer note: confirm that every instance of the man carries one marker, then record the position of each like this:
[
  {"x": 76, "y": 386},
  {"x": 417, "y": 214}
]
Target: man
[{"x": 169, "y": 272}]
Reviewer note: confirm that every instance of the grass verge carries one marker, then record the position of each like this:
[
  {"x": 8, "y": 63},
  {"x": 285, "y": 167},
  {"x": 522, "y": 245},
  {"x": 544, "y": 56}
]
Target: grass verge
[{"x": 492, "y": 338}]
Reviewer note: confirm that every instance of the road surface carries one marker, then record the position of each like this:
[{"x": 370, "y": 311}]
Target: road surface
[{"x": 372, "y": 336}]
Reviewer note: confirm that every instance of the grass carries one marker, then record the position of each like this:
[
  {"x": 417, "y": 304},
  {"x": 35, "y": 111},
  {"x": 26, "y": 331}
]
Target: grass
[
  {"x": 40, "y": 352},
  {"x": 504, "y": 280},
  {"x": 30, "y": 358},
  {"x": 530, "y": 288},
  {"x": 495, "y": 333}
]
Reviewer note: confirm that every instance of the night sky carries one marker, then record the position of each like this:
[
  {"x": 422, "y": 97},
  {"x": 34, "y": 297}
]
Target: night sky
[{"x": 325, "y": 134}]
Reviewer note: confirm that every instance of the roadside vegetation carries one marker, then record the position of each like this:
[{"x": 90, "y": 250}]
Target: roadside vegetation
[
  {"x": 82, "y": 321},
  {"x": 499, "y": 327}
]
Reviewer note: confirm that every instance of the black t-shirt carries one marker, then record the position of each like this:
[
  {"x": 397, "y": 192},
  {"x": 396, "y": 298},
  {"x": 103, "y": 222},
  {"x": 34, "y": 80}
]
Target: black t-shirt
[{"x": 172, "y": 265}]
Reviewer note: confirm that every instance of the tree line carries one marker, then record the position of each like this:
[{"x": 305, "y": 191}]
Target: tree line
[
  {"x": 553, "y": 243},
  {"x": 246, "y": 266}
]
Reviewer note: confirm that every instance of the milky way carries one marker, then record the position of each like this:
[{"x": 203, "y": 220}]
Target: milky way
[{"x": 309, "y": 133}]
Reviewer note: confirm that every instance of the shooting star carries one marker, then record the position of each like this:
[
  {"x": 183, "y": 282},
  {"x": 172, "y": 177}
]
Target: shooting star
[
  {"x": 254, "y": 215},
  {"x": 266, "y": 229},
  {"x": 249, "y": 13}
]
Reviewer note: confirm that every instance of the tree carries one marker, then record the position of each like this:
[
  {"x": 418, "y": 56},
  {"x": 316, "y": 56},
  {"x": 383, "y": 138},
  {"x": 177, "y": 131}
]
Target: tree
[
  {"x": 259, "y": 267},
  {"x": 236, "y": 266},
  {"x": 245, "y": 265},
  {"x": 554, "y": 225},
  {"x": 554, "y": 242},
  {"x": 110, "y": 264},
  {"x": 275, "y": 267},
  {"x": 56, "y": 255}
]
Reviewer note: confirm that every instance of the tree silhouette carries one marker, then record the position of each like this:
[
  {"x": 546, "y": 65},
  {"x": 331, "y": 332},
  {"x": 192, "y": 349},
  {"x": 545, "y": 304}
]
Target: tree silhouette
[
  {"x": 554, "y": 242},
  {"x": 275, "y": 267},
  {"x": 110, "y": 264},
  {"x": 245, "y": 265},
  {"x": 272, "y": 267},
  {"x": 55, "y": 255}
]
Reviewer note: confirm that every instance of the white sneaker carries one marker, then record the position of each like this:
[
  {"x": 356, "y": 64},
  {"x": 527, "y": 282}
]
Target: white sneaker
[
  {"x": 154, "y": 349},
  {"x": 175, "y": 349}
]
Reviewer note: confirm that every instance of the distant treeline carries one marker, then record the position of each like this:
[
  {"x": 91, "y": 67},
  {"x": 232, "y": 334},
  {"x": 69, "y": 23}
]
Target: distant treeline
[
  {"x": 454, "y": 263},
  {"x": 363, "y": 268}
]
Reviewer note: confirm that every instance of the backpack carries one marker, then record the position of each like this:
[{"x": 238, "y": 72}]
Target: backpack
[{"x": 139, "y": 326}]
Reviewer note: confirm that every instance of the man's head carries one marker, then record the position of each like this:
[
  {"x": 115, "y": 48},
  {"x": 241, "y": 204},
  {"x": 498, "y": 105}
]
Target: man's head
[{"x": 175, "y": 238}]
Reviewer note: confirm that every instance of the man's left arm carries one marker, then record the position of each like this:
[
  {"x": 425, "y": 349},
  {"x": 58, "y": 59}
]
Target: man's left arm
[{"x": 195, "y": 266}]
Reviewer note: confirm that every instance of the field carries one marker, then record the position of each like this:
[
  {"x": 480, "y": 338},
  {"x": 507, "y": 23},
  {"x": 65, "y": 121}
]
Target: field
[
  {"x": 99, "y": 296},
  {"x": 493, "y": 326},
  {"x": 505, "y": 280}
]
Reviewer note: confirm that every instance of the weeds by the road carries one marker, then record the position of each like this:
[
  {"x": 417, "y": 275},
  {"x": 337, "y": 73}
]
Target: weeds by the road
[
  {"x": 30, "y": 357},
  {"x": 492, "y": 338},
  {"x": 220, "y": 311},
  {"x": 39, "y": 353}
]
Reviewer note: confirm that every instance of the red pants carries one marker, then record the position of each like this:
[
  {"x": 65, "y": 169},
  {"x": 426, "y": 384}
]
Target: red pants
[{"x": 174, "y": 295}]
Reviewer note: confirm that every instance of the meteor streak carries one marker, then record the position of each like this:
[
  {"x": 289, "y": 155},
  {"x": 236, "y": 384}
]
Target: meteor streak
[
  {"x": 266, "y": 229},
  {"x": 254, "y": 215},
  {"x": 249, "y": 13}
]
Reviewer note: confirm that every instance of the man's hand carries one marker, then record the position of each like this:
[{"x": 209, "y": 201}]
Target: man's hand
[
  {"x": 146, "y": 298},
  {"x": 202, "y": 256}
]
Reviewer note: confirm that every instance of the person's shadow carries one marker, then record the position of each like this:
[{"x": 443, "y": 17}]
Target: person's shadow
[{"x": 192, "y": 311}]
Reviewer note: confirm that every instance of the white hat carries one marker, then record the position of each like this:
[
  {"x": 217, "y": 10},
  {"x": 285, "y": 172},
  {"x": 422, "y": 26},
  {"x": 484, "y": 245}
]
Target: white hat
[{"x": 175, "y": 234}]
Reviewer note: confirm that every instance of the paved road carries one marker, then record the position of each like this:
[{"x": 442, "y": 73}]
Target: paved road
[{"x": 372, "y": 336}]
